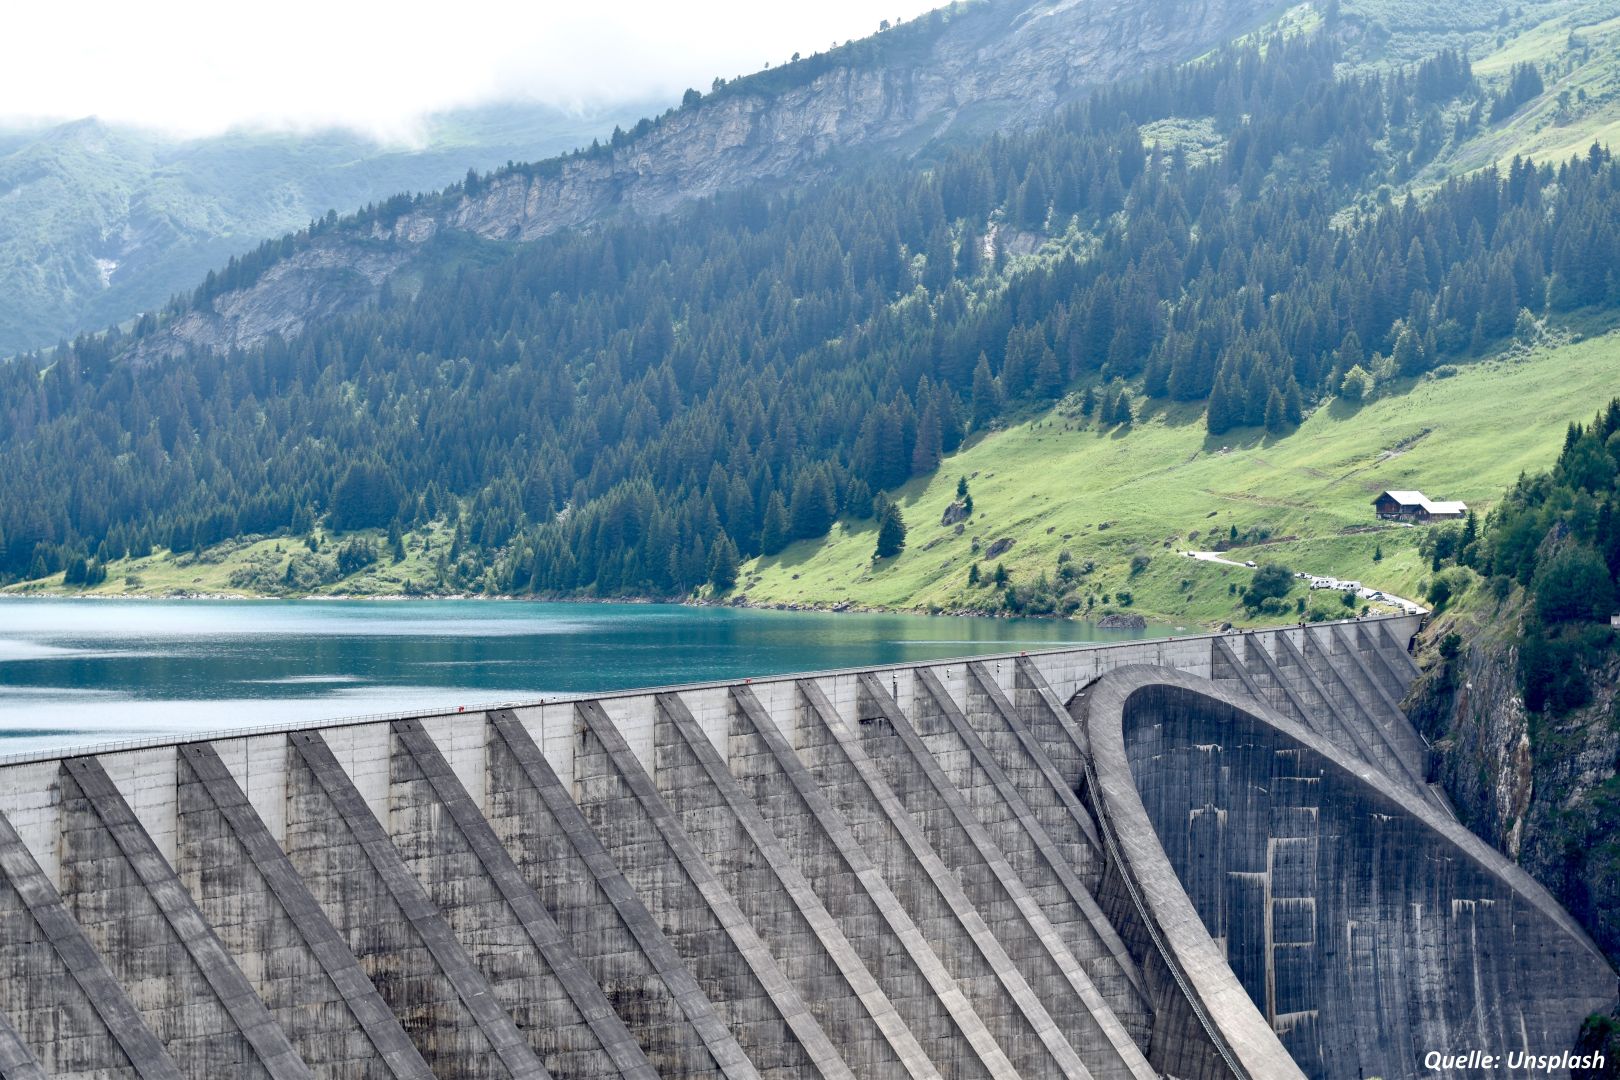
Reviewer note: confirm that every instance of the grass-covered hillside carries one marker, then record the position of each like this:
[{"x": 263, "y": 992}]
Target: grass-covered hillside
[
  {"x": 1123, "y": 500},
  {"x": 1267, "y": 255},
  {"x": 1126, "y": 500},
  {"x": 1576, "y": 51}
]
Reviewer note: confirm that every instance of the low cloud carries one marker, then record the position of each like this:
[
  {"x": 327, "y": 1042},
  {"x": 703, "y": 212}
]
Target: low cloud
[{"x": 197, "y": 67}]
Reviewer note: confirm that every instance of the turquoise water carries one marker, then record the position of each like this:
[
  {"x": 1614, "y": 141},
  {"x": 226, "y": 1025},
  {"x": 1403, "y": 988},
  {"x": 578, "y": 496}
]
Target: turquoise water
[{"x": 81, "y": 671}]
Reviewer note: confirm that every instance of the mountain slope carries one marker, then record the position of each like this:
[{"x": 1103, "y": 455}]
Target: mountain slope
[
  {"x": 102, "y": 222},
  {"x": 634, "y": 408},
  {"x": 959, "y": 72},
  {"x": 1126, "y": 502}
]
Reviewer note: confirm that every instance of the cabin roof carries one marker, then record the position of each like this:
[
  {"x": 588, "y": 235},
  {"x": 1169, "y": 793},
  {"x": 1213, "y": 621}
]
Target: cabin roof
[{"x": 1418, "y": 499}]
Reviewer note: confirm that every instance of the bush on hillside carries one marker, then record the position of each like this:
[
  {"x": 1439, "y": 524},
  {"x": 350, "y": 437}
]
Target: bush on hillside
[{"x": 1271, "y": 582}]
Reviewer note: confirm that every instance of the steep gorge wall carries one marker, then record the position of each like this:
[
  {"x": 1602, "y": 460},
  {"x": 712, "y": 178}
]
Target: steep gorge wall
[{"x": 1543, "y": 788}]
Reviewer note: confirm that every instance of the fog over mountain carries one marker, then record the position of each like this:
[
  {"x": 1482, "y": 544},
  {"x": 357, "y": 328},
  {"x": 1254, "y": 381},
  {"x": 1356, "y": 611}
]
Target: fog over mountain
[{"x": 201, "y": 69}]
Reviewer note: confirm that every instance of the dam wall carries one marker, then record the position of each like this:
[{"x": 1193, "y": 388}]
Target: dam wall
[{"x": 907, "y": 871}]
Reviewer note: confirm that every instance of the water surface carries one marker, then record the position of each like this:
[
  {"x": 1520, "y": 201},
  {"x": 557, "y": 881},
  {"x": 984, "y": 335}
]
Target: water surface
[{"x": 74, "y": 672}]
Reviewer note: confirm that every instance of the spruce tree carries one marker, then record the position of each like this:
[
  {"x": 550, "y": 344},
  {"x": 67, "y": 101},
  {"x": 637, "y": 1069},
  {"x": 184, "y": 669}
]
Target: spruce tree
[
  {"x": 723, "y": 564},
  {"x": 1123, "y": 414},
  {"x": 774, "y": 531},
  {"x": 1048, "y": 376},
  {"x": 986, "y": 394},
  {"x": 1409, "y": 358},
  {"x": 891, "y": 538},
  {"x": 1276, "y": 414},
  {"x": 811, "y": 507},
  {"x": 926, "y": 455}
]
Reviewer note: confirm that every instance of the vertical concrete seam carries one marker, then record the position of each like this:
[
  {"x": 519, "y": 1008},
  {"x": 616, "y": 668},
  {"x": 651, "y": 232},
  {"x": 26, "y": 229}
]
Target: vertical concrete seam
[
  {"x": 1026, "y": 815},
  {"x": 782, "y": 994},
  {"x": 469, "y": 983},
  {"x": 584, "y": 991},
  {"x": 854, "y": 971},
  {"x": 365, "y": 1004},
  {"x": 1007, "y": 975},
  {"x": 660, "y": 954},
  {"x": 234, "y": 993},
  {"x": 860, "y": 863},
  {"x": 72, "y": 946},
  {"x": 1101, "y": 1013}
]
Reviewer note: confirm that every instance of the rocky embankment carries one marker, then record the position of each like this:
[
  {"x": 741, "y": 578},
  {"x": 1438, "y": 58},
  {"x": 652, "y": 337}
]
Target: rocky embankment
[{"x": 1542, "y": 787}]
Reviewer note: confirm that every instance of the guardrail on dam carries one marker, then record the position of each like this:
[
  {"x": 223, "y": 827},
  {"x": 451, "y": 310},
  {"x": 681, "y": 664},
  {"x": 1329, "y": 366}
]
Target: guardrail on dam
[{"x": 1214, "y": 856}]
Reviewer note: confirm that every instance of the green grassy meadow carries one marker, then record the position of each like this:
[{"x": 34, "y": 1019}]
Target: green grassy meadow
[
  {"x": 1124, "y": 501},
  {"x": 1112, "y": 498}
]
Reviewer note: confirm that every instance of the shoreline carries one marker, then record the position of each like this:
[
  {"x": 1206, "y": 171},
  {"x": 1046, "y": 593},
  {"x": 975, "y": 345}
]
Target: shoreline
[{"x": 1109, "y": 621}]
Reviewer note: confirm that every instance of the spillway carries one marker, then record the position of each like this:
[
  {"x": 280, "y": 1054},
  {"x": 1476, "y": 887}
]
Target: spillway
[{"x": 1200, "y": 857}]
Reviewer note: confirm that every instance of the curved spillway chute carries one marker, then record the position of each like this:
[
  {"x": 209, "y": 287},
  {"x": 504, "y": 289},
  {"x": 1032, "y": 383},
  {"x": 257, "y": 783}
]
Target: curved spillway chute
[{"x": 1313, "y": 917}]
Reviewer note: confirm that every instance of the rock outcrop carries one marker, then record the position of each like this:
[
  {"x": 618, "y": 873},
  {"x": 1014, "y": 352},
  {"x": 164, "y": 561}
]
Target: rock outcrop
[
  {"x": 995, "y": 65},
  {"x": 1541, "y": 787}
]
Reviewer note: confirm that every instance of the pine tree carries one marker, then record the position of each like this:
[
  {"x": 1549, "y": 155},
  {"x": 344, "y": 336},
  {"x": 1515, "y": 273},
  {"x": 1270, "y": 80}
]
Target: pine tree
[
  {"x": 774, "y": 531},
  {"x": 396, "y": 542},
  {"x": 986, "y": 394},
  {"x": 1048, "y": 376},
  {"x": 811, "y": 507},
  {"x": 1409, "y": 358},
  {"x": 891, "y": 538},
  {"x": 723, "y": 564},
  {"x": 1276, "y": 414},
  {"x": 1293, "y": 404},
  {"x": 1124, "y": 416},
  {"x": 926, "y": 455}
]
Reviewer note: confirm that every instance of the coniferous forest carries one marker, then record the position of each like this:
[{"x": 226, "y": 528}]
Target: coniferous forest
[{"x": 633, "y": 408}]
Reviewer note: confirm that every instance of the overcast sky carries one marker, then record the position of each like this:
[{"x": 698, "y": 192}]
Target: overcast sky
[{"x": 199, "y": 66}]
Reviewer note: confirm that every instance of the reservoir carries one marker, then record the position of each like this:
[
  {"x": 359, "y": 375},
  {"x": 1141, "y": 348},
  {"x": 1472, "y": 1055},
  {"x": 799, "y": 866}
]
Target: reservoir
[{"x": 79, "y": 672}]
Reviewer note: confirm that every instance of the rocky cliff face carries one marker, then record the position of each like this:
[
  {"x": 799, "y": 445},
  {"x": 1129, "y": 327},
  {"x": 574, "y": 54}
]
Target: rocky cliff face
[
  {"x": 1543, "y": 788},
  {"x": 103, "y": 222},
  {"x": 998, "y": 64}
]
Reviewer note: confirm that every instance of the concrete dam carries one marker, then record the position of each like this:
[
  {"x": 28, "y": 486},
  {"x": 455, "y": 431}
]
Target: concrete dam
[{"x": 1202, "y": 857}]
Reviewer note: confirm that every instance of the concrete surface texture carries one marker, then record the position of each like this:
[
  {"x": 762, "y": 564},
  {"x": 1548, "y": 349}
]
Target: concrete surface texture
[{"x": 1213, "y": 856}]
